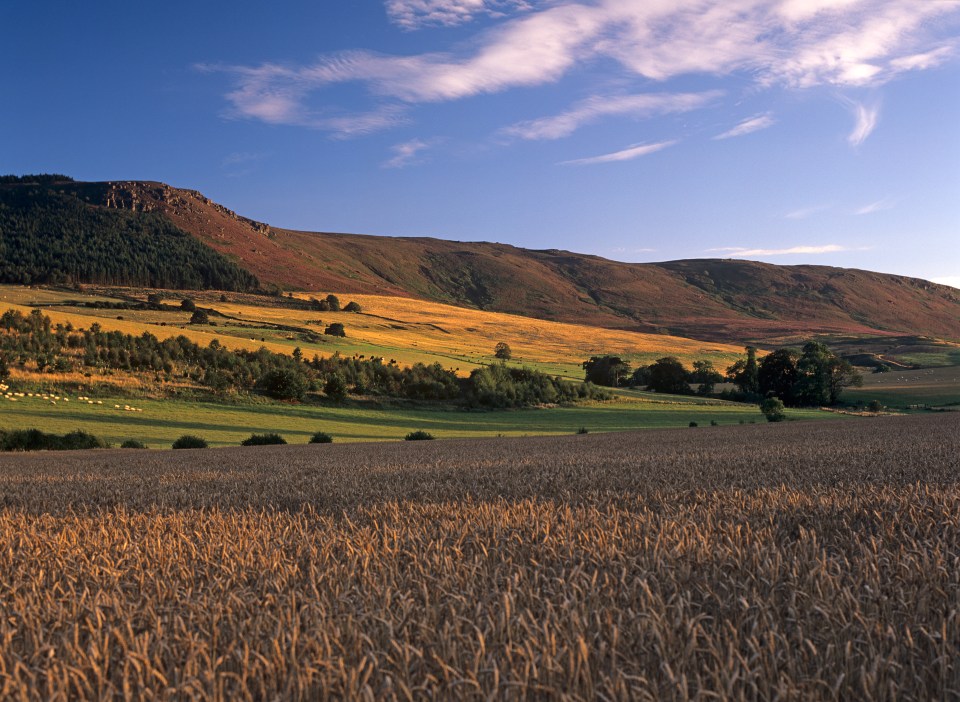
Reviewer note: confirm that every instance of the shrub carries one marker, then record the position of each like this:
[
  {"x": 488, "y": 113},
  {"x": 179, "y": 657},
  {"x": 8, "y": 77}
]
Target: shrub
[
  {"x": 502, "y": 351},
  {"x": 336, "y": 387},
  {"x": 772, "y": 409},
  {"x": 321, "y": 438},
  {"x": 692, "y": 424},
  {"x": 36, "y": 440},
  {"x": 133, "y": 444},
  {"x": 353, "y": 307},
  {"x": 199, "y": 317},
  {"x": 714, "y": 423},
  {"x": 875, "y": 406},
  {"x": 188, "y": 305},
  {"x": 188, "y": 441},
  {"x": 335, "y": 329},
  {"x": 263, "y": 440},
  {"x": 418, "y": 435},
  {"x": 583, "y": 430},
  {"x": 283, "y": 384}
]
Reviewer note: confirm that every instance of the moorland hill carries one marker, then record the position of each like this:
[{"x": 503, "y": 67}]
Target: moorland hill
[{"x": 723, "y": 300}]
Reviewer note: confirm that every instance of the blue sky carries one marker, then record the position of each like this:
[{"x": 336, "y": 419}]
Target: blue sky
[{"x": 790, "y": 131}]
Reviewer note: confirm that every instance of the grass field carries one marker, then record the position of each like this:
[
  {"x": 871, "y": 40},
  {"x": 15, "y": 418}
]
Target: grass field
[
  {"x": 404, "y": 329},
  {"x": 162, "y": 421},
  {"x": 813, "y": 560},
  {"x": 933, "y": 387}
]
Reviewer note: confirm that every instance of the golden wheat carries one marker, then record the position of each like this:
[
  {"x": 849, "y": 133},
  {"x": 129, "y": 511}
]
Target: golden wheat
[{"x": 800, "y": 561}]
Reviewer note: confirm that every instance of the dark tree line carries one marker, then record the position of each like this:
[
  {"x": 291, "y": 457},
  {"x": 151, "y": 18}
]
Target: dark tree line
[
  {"x": 811, "y": 378},
  {"x": 51, "y": 237},
  {"x": 666, "y": 375},
  {"x": 34, "y": 339}
]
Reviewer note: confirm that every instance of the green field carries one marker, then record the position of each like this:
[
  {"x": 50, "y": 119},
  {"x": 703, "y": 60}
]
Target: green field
[
  {"x": 902, "y": 389},
  {"x": 162, "y": 421}
]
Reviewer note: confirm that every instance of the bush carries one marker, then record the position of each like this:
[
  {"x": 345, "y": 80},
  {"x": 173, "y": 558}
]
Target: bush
[
  {"x": 418, "y": 435},
  {"x": 502, "y": 351},
  {"x": 692, "y": 424},
  {"x": 353, "y": 307},
  {"x": 36, "y": 440},
  {"x": 875, "y": 406},
  {"x": 283, "y": 384},
  {"x": 188, "y": 441},
  {"x": 188, "y": 305},
  {"x": 133, "y": 444},
  {"x": 336, "y": 387},
  {"x": 321, "y": 438},
  {"x": 263, "y": 440},
  {"x": 335, "y": 329},
  {"x": 583, "y": 430},
  {"x": 199, "y": 317},
  {"x": 772, "y": 409}
]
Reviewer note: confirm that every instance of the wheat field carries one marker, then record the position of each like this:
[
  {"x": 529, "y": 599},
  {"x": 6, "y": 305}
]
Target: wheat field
[{"x": 794, "y": 561}]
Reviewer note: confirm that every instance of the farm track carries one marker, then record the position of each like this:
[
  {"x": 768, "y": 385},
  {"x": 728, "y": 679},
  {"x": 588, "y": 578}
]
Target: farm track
[{"x": 797, "y": 561}]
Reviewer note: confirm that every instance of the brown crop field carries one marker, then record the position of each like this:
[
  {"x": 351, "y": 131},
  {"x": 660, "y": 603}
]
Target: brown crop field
[{"x": 814, "y": 560}]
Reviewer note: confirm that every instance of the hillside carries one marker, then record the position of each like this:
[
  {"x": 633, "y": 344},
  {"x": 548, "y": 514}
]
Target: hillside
[{"x": 713, "y": 299}]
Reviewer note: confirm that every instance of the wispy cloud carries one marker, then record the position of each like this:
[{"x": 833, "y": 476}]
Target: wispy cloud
[
  {"x": 598, "y": 106},
  {"x": 792, "y": 43},
  {"x": 878, "y": 206},
  {"x": 866, "y": 121},
  {"x": 240, "y": 163},
  {"x": 748, "y": 126},
  {"x": 627, "y": 154},
  {"x": 740, "y": 252},
  {"x": 406, "y": 153},
  {"x": 951, "y": 280},
  {"x": 805, "y": 212},
  {"x": 414, "y": 14}
]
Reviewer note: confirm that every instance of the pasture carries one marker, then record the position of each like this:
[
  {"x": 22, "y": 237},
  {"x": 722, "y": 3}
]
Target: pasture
[
  {"x": 159, "y": 421},
  {"x": 903, "y": 389},
  {"x": 805, "y": 560}
]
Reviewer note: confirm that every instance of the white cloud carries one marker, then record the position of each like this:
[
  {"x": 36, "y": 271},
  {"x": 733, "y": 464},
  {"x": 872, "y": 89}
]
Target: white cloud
[
  {"x": 627, "y": 154},
  {"x": 748, "y": 126},
  {"x": 414, "y": 14},
  {"x": 805, "y": 212},
  {"x": 792, "y": 43},
  {"x": 406, "y": 153},
  {"x": 598, "y": 106},
  {"x": 951, "y": 280},
  {"x": 878, "y": 206},
  {"x": 866, "y": 122},
  {"x": 739, "y": 252}
]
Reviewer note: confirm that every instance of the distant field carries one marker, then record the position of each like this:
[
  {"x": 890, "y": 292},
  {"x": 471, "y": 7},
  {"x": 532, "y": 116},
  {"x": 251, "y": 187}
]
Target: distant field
[
  {"x": 904, "y": 388},
  {"x": 406, "y": 330},
  {"x": 162, "y": 421},
  {"x": 812, "y": 560}
]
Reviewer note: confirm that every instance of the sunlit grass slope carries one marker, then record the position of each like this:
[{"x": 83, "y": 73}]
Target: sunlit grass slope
[{"x": 402, "y": 329}]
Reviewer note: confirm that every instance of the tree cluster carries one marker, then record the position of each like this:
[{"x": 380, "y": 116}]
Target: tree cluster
[
  {"x": 500, "y": 386},
  {"x": 666, "y": 375},
  {"x": 34, "y": 339},
  {"x": 811, "y": 378}
]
